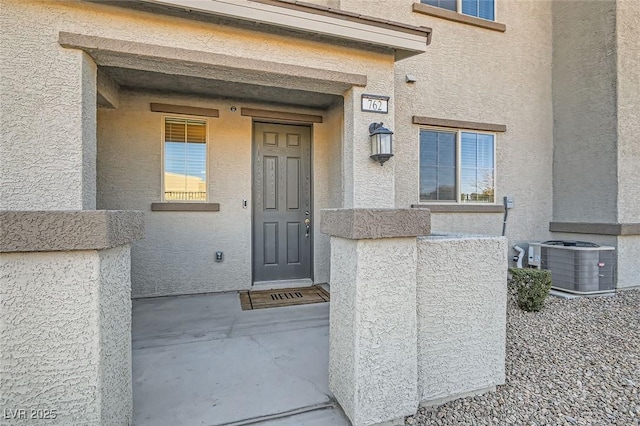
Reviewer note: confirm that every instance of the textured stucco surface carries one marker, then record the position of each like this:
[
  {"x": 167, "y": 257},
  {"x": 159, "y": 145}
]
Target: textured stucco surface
[
  {"x": 584, "y": 102},
  {"x": 628, "y": 107},
  {"x": 47, "y": 136},
  {"x": 115, "y": 336},
  {"x": 130, "y": 150},
  {"x": 359, "y": 224},
  {"x": 461, "y": 305},
  {"x": 68, "y": 230},
  {"x": 628, "y": 253},
  {"x": 65, "y": 328},
  {"x": 343, "y": 317},
  {"x": 327, "y": 185},
  {"x": 177, "y": 254},
  {"x": 69, "y": 75},
  {"x": 474, "y": 74},
  {"x": 455, "y": 80},
  {"x": 195, "y": 63},
  {"x": 372, "y": 361}
]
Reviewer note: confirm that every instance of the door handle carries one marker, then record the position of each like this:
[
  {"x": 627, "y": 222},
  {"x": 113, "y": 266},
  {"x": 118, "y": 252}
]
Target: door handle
[{"x": 307, "y": 223}]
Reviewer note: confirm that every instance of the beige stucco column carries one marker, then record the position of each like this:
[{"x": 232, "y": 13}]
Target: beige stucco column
[
  {"x": 373, "y": 351},
  {"x": 65, "y": 289},
  {"x": 367, "y": 184},
  {"x": 48, "y": 129},
  {"x": 65, "y": 316}
]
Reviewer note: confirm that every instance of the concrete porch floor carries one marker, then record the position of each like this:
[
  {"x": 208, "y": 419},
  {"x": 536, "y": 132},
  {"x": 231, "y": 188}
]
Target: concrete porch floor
[{"x": 201, "y": 360}]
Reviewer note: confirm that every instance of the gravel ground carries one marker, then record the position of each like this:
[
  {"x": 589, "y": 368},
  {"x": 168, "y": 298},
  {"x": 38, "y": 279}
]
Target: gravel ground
[{"x": 576, "y": 362}]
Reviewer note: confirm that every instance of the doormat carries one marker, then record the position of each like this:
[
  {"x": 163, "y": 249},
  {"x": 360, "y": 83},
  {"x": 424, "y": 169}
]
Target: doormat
[{"x": 260, "y": 299}]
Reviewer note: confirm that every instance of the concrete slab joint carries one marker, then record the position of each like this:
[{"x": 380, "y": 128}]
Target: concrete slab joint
[{"x": 68, "y": 230}]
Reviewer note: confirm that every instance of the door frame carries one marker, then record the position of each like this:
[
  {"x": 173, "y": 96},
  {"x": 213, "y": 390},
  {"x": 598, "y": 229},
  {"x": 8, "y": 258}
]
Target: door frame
[{"x": 311, "y": 188}]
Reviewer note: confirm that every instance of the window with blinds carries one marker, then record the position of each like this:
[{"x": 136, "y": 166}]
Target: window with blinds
[
  {"x": 484, "y": 9},
  {"x": 457, "y": 166},
  {"x": 185, "y": 160}
]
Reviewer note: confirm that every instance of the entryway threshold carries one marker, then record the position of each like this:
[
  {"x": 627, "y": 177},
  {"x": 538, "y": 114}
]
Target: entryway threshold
[
  {"x": 328, "y": 413},
  {"x": 273, "y": 285}
]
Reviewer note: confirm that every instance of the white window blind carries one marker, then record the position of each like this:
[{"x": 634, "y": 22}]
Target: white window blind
[
  {"x": 484, "y": 9},
  {"x": 457, "y": 166},
  {"x": 185, "y": 160}
]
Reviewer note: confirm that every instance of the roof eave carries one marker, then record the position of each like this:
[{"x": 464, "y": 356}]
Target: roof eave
[{"x": 405, "y": 40}]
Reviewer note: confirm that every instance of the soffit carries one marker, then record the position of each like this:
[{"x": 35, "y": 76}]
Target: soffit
[
  {"x": 140, "y": 65},
  {"x": 132, "y": 79},
  {"x": 314, "y": 21}
]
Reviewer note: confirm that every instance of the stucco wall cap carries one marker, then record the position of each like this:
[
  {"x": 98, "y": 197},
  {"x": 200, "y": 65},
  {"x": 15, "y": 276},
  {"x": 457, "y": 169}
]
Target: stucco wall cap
[
  {"x": 463, "y": 237},
  {"x": 26, "y": 231},
  {"x": 357, "y": 224}
]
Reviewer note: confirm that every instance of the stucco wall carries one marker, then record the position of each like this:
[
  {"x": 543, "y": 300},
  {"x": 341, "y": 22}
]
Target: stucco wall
[
  {"x": 475, "y": 74},
  {"x": 177, "y": 255},
  {"x": 343, "y": 316},
  {"x": 628, "y": 107},
  {"x": 584, "y": 101},
  {"x": 628, "y": 253},
  {"x": 461, "y": 305},
  {"x": 327, "y": 185},
  {"x": 47, "y": 133},
  {"x": 426, "y": 327},
  {"x": 65, "y": 326},
  {"x": 57, "y": 172},
  {"x": 373, "y": 328},
  {"x": 50, "y": 79},
  {"x": 115, "y": 336}
]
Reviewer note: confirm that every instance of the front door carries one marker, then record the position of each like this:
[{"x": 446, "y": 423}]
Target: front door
[{"x": 281, "y": 202}]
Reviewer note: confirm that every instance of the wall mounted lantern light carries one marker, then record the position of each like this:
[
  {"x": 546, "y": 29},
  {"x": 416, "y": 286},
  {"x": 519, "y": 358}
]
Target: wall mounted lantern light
[{"x": 381, "y": 142}]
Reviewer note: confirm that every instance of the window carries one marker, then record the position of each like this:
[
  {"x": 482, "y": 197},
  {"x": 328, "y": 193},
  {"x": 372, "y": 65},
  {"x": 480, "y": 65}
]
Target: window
[
  {"x": 185, "y": 160},
  {"x": 444, "y": 4},
  {"x": 484, "y": 9},
  {"x": 457, "y": 166}
]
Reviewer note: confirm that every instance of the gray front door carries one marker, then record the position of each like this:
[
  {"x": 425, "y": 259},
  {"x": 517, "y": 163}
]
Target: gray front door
[{"x": 281, "y": 202}]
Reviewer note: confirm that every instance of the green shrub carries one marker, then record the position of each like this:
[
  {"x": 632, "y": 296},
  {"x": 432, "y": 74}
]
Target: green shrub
[{"x": 532, "y": 287}]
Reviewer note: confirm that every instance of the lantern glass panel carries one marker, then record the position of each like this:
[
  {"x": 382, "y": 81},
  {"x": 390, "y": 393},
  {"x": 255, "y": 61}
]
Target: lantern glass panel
[
  {"x": 375, "y": 144},
  {"x": 385, "y": 143}
]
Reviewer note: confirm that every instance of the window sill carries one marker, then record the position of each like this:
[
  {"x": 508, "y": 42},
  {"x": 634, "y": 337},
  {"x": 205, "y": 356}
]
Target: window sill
[
  {"x": 458, "y": 17},
  {"x": 185, "y": 207},
  {"x": 460, "y": 208}
]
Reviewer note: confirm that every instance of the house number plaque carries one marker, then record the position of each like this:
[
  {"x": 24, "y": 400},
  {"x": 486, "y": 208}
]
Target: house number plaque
[{"x": 375, "y": 103}]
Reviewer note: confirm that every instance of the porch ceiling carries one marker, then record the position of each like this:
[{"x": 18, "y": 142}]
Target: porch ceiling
[
  {"x": 171, "y": 83},
  {"x": 140, "y": 65}
]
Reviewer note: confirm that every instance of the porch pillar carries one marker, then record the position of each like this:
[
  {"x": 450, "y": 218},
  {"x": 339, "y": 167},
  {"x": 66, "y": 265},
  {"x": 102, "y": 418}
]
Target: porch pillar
[
  {"x": 367, "y": 184},
  {"x": 49, "y": 131},
  {"x": 65, "y": 316},
  {"x": 373, "y": 326},
  {"x": 65, "y": 307}
]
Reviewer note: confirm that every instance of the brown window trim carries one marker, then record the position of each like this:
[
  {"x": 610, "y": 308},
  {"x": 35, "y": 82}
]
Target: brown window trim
[
  {"x": 280, "y": 115},
  {"x": 458, "y": 124},
  {"x": 450, "y": 15},
  {"x": 185, "y": 110},
  {"x": 185, "y": 207},
  {"x": 460, "y": 208}
]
